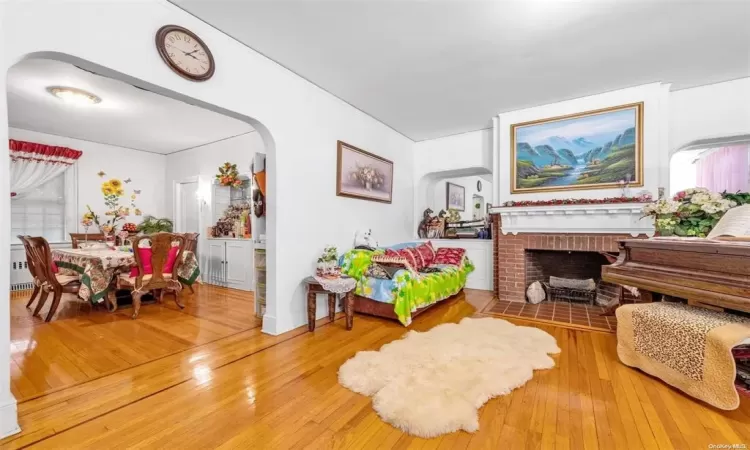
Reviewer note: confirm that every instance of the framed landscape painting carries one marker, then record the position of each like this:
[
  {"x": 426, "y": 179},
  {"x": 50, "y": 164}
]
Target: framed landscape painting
[
  {"x": 361, "y": 174},
  {"x": 590, "y": 150},
  {"x": 455, "y": 197}
]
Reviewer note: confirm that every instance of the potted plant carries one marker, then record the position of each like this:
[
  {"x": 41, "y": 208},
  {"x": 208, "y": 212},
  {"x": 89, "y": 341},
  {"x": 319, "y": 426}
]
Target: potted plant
[
  {"x": 327, "y": 266},
  {"x": 151, "y": 225}
]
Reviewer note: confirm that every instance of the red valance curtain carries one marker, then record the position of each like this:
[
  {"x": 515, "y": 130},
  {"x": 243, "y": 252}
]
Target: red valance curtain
[{"x": 32, "y": 164}]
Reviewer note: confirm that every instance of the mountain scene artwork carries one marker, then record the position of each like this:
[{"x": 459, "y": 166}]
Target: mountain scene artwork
[{"x": 591, "y": 150}]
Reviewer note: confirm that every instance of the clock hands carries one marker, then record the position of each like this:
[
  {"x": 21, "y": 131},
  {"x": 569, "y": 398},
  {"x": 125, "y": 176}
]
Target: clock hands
[{"x": 190, "y": 54}]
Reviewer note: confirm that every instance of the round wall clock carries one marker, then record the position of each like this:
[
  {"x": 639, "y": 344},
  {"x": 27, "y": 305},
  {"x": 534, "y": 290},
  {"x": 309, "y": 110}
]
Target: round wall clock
[
  {"x": 185, "y": 53},
  {"x": 479, "y": 185}
]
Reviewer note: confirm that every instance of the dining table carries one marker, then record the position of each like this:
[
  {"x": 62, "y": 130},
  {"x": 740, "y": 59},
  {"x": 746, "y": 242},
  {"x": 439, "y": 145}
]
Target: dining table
[{"x": 97, "y": 267}]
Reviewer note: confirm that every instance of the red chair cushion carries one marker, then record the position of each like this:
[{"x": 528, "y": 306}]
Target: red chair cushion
[
  {"x": 55, "y": 269},
  {"x": 452, "y": 256},
  {"x": 146, "y": 254}
]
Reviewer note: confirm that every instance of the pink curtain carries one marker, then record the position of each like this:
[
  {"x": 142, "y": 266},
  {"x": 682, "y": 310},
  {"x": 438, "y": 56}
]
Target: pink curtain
[
  {"x": 725, "y": 169},
  {"x": 33, "y": 164}
]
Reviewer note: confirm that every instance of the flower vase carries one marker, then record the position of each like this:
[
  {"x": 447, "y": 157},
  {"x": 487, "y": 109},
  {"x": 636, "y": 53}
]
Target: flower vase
[
  {"x": 368, "y": 185},
  {"x": 110, "y": 239}
]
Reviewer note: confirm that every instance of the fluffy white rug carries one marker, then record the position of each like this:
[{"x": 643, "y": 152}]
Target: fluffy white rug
[{"x": 432, "y": 383}]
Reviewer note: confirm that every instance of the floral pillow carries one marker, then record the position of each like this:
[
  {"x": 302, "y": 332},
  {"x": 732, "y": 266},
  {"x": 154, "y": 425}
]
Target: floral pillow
[
  {"x": 452, "y": 256},
  {"x": 409, "y": 254},
  {"x": 393, "y": 261},
  {"x": 425, "y": 253}
]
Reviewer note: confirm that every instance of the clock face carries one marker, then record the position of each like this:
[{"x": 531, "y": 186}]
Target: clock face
[{"x": 185, "y": 53}]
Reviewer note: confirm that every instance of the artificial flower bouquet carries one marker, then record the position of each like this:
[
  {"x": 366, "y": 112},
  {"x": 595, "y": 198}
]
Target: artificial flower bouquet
[
  {"x": 692, "y": 212},
  {"x": 229, "y": 175},
  {"x": 327, "y": 266}
]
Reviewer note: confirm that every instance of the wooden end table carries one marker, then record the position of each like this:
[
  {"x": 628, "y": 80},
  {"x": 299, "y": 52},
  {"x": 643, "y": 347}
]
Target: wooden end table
[{"x": 314, "y": 288}]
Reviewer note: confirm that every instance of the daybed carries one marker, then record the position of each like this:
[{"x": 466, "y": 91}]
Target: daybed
[{"x": 407, "y": 292}]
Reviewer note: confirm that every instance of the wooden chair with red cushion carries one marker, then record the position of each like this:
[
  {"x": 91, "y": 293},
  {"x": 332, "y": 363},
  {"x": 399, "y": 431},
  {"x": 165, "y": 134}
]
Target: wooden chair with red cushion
[
  {"x": 154, "y": 268},
  {"x": 191, "y": 245},
  {"x": 32, "y": 270},
  {"x": 50, "y": 281},
  {"x": 78, "y": 238}
]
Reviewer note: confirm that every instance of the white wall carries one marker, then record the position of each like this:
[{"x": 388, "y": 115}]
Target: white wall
[
  {"x": 470, "y": 189},
  {"x": 299, "y": 124},
  {"x": 655, "y": 97},
  {"x": 704, "y": 112},
  {"x": 461, "y": 151},
  {"x": 146, "y": 170}
]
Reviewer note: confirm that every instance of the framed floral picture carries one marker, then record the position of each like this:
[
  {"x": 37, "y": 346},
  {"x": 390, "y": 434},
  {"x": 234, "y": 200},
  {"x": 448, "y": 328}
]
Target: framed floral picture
[
  {"x": 363, "y": 175},
  {"x": 455, "y": 197}
]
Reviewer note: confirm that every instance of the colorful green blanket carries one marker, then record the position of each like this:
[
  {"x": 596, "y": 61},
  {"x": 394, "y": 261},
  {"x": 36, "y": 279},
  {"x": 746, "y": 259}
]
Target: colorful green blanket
[{"x": 408, "y": 290}]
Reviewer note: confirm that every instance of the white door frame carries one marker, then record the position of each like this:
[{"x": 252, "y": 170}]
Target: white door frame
[{"x": 177, "y": 198}]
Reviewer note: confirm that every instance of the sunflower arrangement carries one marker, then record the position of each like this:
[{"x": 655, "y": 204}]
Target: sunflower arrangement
[{"x": 229, "y": 175}]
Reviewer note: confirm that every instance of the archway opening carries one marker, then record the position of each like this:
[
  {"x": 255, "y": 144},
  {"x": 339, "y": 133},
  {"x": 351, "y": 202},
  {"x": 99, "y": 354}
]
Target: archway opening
[{"x": 171, "y": 178}]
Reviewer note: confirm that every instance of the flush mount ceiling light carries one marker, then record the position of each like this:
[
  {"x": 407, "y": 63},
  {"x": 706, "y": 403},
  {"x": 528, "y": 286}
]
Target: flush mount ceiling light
[{"x": 73, "y": 95}]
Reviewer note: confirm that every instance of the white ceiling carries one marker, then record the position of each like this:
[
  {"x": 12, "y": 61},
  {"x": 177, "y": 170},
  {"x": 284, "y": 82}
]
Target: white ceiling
[
  {"x": 435, "y": 68},
  {"x": 127, "y": 116}
]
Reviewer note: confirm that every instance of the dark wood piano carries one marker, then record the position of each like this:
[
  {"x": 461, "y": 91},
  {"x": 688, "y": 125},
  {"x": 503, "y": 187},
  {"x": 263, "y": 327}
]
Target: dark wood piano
[{"x": 711, "y": 274}]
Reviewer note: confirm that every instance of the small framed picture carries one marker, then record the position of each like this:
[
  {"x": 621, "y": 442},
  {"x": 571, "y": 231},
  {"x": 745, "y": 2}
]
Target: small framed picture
[
  {"x": 363, "y": 175},
  {"x": 455, "y": 197}
]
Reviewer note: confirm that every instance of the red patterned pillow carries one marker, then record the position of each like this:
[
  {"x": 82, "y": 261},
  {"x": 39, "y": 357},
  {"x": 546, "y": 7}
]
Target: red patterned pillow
[
  {"x": 452, "y": 256},
  {"x": 426, "y": 253},
  {"x": 392, "y": 261},
  {"x": 409, "y": 254}
]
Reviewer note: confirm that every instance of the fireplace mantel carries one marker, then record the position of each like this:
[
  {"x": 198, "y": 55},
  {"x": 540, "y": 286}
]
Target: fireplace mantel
[{"x": 616, "y": 218}]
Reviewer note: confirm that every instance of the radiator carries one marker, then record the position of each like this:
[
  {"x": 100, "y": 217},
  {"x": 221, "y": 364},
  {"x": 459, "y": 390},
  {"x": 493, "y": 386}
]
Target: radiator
[{"x": 20, "y": 277}]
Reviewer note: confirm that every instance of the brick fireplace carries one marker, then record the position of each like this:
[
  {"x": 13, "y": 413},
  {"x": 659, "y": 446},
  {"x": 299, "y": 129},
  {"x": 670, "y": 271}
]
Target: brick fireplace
[{"x": 517, "y": 262}]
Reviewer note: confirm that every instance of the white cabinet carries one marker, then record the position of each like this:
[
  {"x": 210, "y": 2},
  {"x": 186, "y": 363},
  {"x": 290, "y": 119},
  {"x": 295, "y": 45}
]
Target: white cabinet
[
  {"x": 239, "y": 265},
  {"x": 230, "y": 263}
]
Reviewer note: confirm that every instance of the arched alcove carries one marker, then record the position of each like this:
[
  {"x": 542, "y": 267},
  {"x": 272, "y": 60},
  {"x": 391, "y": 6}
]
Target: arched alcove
[
  {"x": 430, "y": 190},
  {"x": 687, "y": 161}
]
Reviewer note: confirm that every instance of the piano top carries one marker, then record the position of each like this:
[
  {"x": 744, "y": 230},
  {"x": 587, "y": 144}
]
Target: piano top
[{"x": 696, "y": 245}]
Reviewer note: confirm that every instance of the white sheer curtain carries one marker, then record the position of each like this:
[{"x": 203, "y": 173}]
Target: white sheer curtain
[
  {"x": 725, "y": 169},
  {"x": 32, "y": 165}
]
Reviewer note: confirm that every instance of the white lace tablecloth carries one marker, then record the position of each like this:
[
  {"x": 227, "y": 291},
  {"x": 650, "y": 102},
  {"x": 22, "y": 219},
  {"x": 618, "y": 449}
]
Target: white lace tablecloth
[{"x": 340, "y": 285}]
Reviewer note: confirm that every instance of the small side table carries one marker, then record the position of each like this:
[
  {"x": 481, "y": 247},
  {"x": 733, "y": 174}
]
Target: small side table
[{"x": 313, "y": 288}]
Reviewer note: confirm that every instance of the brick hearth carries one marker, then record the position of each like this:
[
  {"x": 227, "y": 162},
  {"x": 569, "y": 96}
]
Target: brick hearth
[{"x": 510, "y": 260}]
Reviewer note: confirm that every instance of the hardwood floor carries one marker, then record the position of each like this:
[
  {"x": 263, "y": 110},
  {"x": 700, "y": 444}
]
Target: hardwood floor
[
  {"x": 83, "y": 343},
  {"x": 249, "y": 390}
]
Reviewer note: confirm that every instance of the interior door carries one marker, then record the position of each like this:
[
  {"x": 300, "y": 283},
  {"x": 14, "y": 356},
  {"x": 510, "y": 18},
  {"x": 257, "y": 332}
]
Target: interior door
[{"x": 188, "y": 208}]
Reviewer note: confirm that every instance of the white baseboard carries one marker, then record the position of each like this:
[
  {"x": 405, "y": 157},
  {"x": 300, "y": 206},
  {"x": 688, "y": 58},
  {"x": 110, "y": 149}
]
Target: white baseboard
[
  {"x": 269, "y": 325},
  {"x": 8, "y": 418}
]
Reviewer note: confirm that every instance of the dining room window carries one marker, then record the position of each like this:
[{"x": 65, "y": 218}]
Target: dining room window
[{"x": 42, "y": 211}]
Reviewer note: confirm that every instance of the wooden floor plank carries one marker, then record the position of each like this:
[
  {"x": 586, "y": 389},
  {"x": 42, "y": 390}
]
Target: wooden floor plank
[{"x": 249, "y": 390}]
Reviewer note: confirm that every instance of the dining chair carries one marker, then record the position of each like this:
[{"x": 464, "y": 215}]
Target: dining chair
[
  {"x": 191, "y": 245},
  {"x": 50, "y": 282},
  {"x": 156, "y": 265},
  {"x": 32, "y": 270},
  {"x": 77, "y": 238}
]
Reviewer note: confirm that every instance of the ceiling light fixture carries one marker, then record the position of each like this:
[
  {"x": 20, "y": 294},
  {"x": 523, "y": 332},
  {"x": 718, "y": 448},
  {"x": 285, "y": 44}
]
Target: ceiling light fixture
[{"x": 73, "y": 95}]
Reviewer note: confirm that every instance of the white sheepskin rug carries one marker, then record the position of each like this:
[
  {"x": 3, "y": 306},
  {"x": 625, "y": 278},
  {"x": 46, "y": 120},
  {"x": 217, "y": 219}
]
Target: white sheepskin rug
[{"x": 432, "y": 383}]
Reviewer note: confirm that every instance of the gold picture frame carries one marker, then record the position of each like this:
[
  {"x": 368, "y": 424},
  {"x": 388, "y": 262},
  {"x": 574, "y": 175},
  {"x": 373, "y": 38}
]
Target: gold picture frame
[
  {"x": 543, "y": 167},
  {"x": 363, "y": 175}
]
